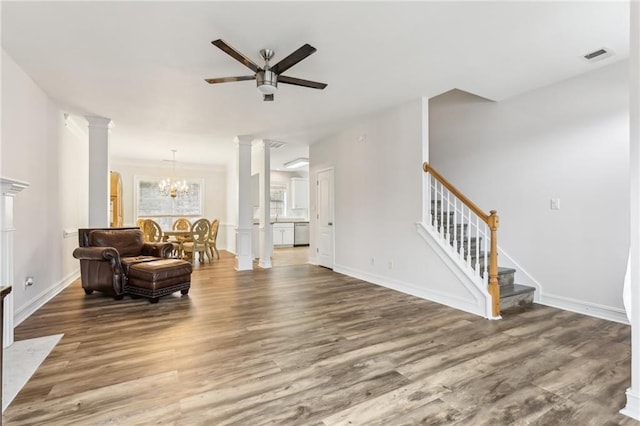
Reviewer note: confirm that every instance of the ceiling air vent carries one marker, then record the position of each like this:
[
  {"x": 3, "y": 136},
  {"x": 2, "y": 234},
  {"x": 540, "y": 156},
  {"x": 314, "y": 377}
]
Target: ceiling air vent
[
  {"x": 276, "y": 144},
  {"x": 598, "y": 55}
]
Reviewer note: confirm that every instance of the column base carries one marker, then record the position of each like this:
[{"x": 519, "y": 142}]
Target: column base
[
  {"x": 244, "y": 263},
  {"x": 633, "y": 405},
  {"x": 266, "y": 264},
  {"x": 244, "y": 259}
]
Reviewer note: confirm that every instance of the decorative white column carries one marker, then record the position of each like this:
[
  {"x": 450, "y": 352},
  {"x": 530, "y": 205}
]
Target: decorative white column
[
  {"x": 98, "y": 172},
  {"x": 244, "y": 258},
  {"x": 266, "y": 231},
  {"x": 632, "y": 408},
  {"x": 10, "y": 187}
]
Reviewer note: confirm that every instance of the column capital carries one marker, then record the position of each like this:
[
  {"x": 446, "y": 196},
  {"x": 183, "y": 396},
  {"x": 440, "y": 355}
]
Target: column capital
[
  {"x": 268, "y": 143},
  {"x": 243, "y": 140},
  {"x": 100, "y": 122}
]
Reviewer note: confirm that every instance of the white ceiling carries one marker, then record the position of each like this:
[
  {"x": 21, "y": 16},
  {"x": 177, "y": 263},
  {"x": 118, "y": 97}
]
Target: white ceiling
[{"x": 142, "y": 64}]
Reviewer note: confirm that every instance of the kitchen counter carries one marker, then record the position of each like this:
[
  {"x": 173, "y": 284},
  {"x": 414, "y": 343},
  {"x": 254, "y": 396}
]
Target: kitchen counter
[{"x": 284, "y": 220}]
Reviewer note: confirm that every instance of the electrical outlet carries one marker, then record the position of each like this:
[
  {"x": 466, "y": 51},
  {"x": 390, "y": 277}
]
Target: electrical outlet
[
  {"x": 28, "y": 282},
  {"x": 555, "y": 204}
]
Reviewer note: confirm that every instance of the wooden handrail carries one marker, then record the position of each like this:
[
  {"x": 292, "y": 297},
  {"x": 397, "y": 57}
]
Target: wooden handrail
[
  {"x": 492, "y": 220},
  {"x": 427, "y": 168}
]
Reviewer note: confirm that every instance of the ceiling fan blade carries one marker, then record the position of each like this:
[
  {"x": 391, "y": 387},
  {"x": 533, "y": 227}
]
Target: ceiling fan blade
[
  {"x": 301, "y": 82},
  {"x": 267, "y": 97},
  {"x": 229, "y": 79},
  {"x": 293, "y": 59},
  {"x": 221, "y": 44}
]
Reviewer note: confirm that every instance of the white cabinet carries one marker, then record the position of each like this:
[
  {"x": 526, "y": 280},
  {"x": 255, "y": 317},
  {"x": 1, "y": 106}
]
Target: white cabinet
[
  {"x": 299, "y": 193},
  {"x": 283, "y": 234}
]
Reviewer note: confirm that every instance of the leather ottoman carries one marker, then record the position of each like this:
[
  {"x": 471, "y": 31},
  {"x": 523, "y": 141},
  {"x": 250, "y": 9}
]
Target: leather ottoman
[{"x": 158, "y": 278}]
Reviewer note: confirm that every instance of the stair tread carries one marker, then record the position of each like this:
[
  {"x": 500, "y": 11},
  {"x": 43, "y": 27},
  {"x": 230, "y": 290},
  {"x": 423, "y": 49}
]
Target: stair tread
[{"x": 514, "y": 290}]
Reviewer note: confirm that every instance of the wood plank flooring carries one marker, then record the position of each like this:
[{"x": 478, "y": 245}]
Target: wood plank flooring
[{"x": 301, "y": 345}]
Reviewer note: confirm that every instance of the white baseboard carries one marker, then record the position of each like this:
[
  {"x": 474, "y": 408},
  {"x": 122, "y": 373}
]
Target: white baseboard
[
  {"x": 585, "y": 308},
  {"x": 568, "y": 304},
  {"x": 633, "y": 405},
  {"x": 37, "y": 302},
  {"x": 408, "y": 288}
]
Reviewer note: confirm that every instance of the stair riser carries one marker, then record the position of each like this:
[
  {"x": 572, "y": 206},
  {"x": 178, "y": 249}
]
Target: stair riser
[{"x": 519, "y": 300}]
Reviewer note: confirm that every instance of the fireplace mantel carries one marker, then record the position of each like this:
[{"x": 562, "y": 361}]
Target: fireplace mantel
[{"x": 9, "y": 189}]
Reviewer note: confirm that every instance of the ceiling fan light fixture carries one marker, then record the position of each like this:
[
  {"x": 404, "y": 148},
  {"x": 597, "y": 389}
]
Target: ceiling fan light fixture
[
  {"x": 267, "y": 82},
  {"x": 267, "y": 89},
  {"x": 298, "y": 162}
]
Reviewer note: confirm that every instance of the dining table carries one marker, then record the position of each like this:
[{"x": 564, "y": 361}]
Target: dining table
[
  {"x": 179, "y": 237},
  {"x": 178, "y": 234}
]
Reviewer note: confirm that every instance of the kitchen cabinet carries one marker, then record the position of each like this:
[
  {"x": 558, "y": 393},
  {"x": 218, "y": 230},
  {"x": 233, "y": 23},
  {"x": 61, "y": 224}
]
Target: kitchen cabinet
[
  {"x": 299, "y": 193},
  {"x": 283, "y": 234}
]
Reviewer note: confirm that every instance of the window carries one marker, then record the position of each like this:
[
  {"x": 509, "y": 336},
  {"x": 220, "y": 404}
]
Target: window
[
  {"x": 278, "y": 204},
  {"x": 150, "y": 203}
]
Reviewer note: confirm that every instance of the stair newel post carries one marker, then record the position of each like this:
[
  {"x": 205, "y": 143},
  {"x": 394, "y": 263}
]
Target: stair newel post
[{"x": 494, "y": 287}]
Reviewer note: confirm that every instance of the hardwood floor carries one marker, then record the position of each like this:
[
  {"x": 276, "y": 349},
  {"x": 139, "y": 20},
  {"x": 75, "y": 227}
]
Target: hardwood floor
[{"x": 301, "y": 345}]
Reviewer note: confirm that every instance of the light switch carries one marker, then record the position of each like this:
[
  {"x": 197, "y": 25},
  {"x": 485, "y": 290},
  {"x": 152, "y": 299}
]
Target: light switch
[{"x": 555, "y": 204}]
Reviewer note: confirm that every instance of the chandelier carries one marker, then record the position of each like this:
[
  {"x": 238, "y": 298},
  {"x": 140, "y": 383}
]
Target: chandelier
[{"x": 171, "y": 186}]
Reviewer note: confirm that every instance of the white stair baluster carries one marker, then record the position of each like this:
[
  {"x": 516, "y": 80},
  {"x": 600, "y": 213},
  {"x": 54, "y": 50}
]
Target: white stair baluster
[
  {"x": 455, "y": 224},
  {"x": 429, "y": 215},
  {"x": 448, "y": 228},
  {"x": 468, "y": 242},
  {"x": 485, "y": 248},
  {"x": 441, "y": 209},
  {"x": 477, "y": 265}
]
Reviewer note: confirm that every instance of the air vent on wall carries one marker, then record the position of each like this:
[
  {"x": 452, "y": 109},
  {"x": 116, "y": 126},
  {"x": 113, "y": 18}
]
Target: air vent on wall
[
  {"x": 598, "y": 55},
  {"x": 276, "y": 144}
]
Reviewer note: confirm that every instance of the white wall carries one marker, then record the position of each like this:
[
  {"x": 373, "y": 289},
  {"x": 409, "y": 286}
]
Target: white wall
[
  {"x": 37, "y": 148},
  {"x": 215, "y": 186},
  {"x": 378, "y": 201},
  {"x": 568, "y": 141}
]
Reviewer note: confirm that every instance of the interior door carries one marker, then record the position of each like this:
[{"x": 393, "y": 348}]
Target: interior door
[{"x": 325, "y": 237}]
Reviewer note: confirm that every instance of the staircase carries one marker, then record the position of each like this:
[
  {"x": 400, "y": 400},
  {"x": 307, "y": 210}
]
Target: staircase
[{"x": 512, "y": 295}]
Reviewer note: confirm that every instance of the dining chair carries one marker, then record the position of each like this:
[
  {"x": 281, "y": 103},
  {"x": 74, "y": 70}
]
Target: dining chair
[
  {"x": 181, "y": 224},
  {"x": 152, "y": 231},
  {"x": 140, "y": 223},
  {"x": 213, "y": 236},
  {"x": 199, "y": 240}
]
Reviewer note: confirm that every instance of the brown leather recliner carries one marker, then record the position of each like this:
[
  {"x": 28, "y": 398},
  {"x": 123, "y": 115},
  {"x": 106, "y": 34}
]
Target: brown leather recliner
[{"x": 107, "y": 253}]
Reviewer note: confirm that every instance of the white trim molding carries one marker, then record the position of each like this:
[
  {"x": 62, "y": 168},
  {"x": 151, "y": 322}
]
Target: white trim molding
[
  {"x": 632, "y": 408},
  {"x": 523, "y": 276},
  {"x": 584, "y": 308},
  {"x": 413, "y": 290}
]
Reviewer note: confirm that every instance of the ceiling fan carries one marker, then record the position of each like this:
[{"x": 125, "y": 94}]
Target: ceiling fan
[{"x": 267, "y": 77}]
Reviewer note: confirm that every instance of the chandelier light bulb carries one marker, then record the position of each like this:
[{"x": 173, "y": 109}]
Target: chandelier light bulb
[{"x": 172, "y": 187}]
